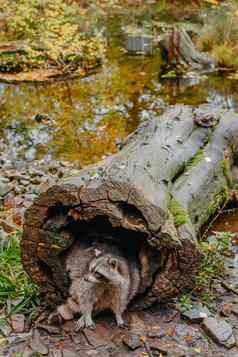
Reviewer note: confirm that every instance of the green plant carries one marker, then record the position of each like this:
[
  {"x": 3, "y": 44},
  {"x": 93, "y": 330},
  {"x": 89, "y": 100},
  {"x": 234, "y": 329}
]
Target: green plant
[
  {"x": 219, "y": 36},
  {"x": 51, "y": 33},
  {"x": 185, "y": 302},
  {"x": 18, "y": 294},
  {"x": 213, "y": 264}
]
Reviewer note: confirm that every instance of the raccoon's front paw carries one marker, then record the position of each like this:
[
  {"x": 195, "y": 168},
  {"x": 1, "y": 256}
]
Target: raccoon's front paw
[
  {"x": 120, "y": 322},
  {"x": 84, "y": 322}
]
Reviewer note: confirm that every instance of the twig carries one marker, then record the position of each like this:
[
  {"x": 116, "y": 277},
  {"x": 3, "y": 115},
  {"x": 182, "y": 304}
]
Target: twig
[
  {"x": 229, "y": 287},
  {"x": 220, "y": 211}
]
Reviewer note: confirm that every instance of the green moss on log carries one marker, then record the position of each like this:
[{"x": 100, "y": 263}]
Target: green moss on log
[
  {"x": 226, "y": 166},
  {"x": 179, "y": 213},
  {"x": 195, "y": 159}
]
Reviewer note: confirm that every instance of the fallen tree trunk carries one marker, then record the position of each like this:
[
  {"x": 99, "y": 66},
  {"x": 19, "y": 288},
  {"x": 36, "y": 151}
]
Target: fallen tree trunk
[{"x": 170, "y": 177}]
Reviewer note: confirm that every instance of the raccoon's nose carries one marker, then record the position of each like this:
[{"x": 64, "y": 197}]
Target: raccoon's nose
[{"x": 85, "y": 278}]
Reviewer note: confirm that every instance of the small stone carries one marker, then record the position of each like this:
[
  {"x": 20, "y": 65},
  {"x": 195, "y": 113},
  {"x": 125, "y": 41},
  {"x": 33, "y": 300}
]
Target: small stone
[
  {"x": 55, "y": 353},
  {"x": 28, "y": 352},
  {"x": 132, "y": 341},
  {"x": 196, "y": 313},
  {"x": 24, "y": 182},
  {"x": 168, "y": 348},
  {"x": 36, "y": 180},
  {"x": 226, "y": 309},
  {"x": 18, "y": 322},
  {"x": 37, "y": 344},
  {"x": 156, "y": 331},
  {"x": 220, "y": 331},
  {"x": 20, "y": 337},
  {"x": 5, "y": 328},
  {"x": 69, "y": 353},
  {"x": 4, "y": 189}
]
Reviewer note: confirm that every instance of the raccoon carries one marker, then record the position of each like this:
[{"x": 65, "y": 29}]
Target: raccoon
[{"x": 104, "y": 279}]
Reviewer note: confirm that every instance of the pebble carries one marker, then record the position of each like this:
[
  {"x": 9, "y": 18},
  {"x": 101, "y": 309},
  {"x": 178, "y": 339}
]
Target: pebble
[
  {"x": 37, "y": 344},
  {"x": 220, "y": 331},
  {"x": 4, "y": 189},
  {"x": 132, "y": 341},
  {"x": 196, "y": 313},
  {"x": 18, "y": 323},
  {"x": 20, "y": 337}
]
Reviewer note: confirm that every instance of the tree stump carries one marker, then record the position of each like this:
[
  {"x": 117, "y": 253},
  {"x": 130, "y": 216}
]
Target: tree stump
[
  {"x": 170, "y": 177},
  {"x": 181, "y": 53}
]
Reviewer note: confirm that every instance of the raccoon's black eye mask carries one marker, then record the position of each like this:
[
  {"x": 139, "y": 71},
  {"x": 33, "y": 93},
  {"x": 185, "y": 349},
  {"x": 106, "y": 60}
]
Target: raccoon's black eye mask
[{"x": 100, "y": 277}]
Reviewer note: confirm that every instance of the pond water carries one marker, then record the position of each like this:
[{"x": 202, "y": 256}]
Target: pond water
[{"x": 88, "y": 118}]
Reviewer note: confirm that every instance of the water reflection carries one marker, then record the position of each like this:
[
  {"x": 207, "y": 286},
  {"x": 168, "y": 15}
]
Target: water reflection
[{"x": 88, "y": 117}]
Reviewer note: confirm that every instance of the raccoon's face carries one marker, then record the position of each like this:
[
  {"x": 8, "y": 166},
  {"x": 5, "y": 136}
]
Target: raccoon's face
[{"x": 104, "y": 268}]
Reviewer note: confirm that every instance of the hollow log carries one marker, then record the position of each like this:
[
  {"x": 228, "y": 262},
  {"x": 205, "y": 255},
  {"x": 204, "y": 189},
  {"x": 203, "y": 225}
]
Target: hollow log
[{"x": 154, "y": 195}]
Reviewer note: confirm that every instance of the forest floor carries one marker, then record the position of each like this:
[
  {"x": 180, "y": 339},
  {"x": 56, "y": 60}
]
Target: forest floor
[
  {"x": 195, "y": 324},
  {"x": 204, "y": 323}
]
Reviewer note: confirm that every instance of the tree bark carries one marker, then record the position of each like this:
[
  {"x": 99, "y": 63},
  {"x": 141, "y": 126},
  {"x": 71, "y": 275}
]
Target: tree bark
[{"x": 170, "y": 177}]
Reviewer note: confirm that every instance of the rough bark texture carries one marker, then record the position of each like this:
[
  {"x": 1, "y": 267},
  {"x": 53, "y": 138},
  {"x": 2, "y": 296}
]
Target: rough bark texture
[{"x": 170, "y": 176}]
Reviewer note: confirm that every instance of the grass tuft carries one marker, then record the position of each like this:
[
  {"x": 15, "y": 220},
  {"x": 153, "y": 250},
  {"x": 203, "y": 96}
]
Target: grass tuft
[{"x": 18, "y": 294}]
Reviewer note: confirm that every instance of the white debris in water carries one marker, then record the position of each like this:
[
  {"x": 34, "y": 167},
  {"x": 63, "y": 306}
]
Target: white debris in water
[{"x": 208, "y": 159}]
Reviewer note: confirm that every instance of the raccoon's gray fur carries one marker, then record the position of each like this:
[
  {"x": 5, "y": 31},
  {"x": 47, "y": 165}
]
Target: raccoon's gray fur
[{"x": 101, "y": 278}]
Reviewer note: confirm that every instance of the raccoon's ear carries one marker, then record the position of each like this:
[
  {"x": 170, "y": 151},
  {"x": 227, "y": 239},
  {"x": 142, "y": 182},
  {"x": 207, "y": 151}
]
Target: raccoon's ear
[
  {"x": 113, "y": 262},
  {"x": 97, "y": 252}
]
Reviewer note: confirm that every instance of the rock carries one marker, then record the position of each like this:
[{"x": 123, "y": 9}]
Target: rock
[
  {"x": 24, "y": 182},
  {"x": 196, "y": 313},
  {"x": 189, "y": 336},
  {"x": 226, "y": 309},
  {"x": 55, "y": 353},
  {"x": 37, "y": 344},
  {"x": 5, "y": 328},
  {"x": 156, "y": 331},
  {"x": 4, "y": 189},
  {"x": 164, "y": 313},
  {"x": 18, "y": 322},
  {"x": 132, "y": 341},
  {"x": 220, "y": 331},
  {"x": 168, "y": 348},
  {"x": 69, "y": 353},
  {"x": 36, "y": 180},
  {"x": 20, "y": 337},
  {"x": 28, "y": 352}
]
